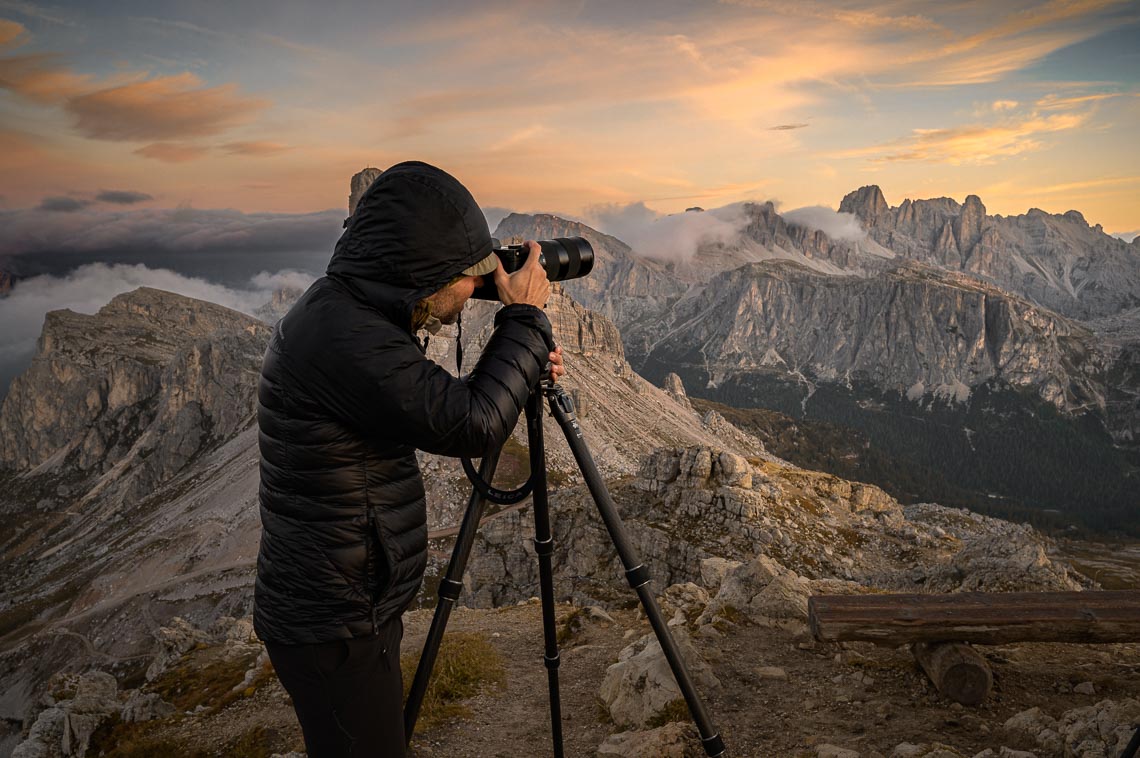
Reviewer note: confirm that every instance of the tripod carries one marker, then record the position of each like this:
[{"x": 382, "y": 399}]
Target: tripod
[{"x": 562, "y": 409}]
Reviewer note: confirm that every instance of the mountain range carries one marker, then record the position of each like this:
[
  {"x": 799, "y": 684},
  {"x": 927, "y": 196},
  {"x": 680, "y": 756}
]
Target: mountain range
[
  {"x": 128, "y": 450},
  {"x": 1000, "y": 353}
]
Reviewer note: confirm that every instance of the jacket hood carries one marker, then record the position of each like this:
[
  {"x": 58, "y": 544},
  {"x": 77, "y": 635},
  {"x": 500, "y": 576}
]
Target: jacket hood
[{"x": 415, "y": 228}]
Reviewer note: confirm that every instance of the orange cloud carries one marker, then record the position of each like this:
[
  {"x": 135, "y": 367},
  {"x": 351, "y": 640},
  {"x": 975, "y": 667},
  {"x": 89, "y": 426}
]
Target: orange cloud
[
  {"x": 10, "y": 30},
  {"x": 172, "y": 152},
  {"x": 975, "y": 144},
  {"x": 170, "y": 107},
  {"x": 256, "y": 149},
  {"x": 1055, "y": 103},
  {"x": 39, "y": 78}
]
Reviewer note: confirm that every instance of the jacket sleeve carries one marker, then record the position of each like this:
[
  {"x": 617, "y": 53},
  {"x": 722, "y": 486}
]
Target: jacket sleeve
[{"x": 389, "y": 390}]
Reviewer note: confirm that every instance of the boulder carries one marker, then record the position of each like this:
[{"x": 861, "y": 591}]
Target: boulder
[
  {"x": 65, "y": 729},
  {"x": 640, "y": 685}
]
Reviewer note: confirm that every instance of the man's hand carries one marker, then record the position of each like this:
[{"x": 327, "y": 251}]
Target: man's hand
[
  {"x": 556, "y": 368},
  {"x": 527, "y": 285}
]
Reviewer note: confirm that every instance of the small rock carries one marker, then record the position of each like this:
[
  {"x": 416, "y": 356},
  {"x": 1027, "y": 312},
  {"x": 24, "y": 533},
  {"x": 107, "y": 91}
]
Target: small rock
[
  {"x": 1085, "y": 688},
  {"x": 834, "y": 751},
  {"x": 599, "y": 616},
  {"x": 668, "y": 741},
  {"x": 772, "y": 672}
]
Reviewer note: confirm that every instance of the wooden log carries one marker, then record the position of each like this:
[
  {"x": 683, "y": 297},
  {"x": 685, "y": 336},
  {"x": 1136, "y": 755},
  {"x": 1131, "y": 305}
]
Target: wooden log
[
  {"x": 957, "y": 670},
  {"x": 980, "y": 617}
]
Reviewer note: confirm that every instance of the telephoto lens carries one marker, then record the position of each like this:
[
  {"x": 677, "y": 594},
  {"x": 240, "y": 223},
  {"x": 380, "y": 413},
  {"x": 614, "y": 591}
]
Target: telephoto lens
[{"x": 563, "y": 258}]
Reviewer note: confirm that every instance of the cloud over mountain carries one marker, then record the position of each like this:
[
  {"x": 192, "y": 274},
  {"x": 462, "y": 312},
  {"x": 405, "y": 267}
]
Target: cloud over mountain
[
  {"x": 89, "y": 287},
  {"x": 668, "y": 237}
]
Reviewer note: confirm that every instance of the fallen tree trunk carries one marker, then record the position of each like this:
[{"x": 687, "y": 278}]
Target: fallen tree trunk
[{"x": 979, "y": 617}]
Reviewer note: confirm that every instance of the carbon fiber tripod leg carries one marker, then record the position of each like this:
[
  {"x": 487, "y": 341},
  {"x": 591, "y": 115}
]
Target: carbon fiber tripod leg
[
  {"x": 562, "y": 408},
  {"x": 544, "y": 547},
  {"x": 449, "y": 588}
]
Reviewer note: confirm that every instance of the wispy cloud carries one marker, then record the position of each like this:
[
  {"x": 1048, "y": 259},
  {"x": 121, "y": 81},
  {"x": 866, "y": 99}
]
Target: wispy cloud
[
  {"x": 42, "y": 78},
  {"x": 10, "y": 31},
  {"x": 50, "y": 15},
  {"x": 977, "y": 144},
  {"x": 172, "y": 152},
  {"x": 169, "y": 107},
  {"x": 256, "y": 148},
  {"x": 1054, "y": 102},
  {"x": 845, "y": 13},
  {"x": 786, "y": 127},
  {"x": 122, "y": 197}
]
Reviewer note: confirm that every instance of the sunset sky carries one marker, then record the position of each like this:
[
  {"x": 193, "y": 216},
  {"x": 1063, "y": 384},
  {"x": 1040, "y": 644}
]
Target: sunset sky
[{"x": 560, "y": 106}]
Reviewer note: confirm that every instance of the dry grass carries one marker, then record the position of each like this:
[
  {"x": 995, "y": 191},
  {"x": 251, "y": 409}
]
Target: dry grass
[{"x": 466, "y": 664}]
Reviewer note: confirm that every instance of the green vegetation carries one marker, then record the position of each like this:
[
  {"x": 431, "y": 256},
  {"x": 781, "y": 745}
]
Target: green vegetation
[
  {"x": 674, "y": 710},
  {"x": 467, "y": 662}
]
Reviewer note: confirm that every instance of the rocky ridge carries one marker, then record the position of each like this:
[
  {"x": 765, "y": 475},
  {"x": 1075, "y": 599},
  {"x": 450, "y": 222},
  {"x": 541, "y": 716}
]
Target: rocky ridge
[
  {"x": 1056, "y": 260},
  {"x": 911, "y": 330}
]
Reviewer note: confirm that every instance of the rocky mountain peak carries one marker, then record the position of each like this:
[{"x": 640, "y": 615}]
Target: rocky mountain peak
[
  {"x": 867, "y": 203},
  {"x": 516, "y": 227},
  {"x": 97, "y": 383},
  {"x": 361, "y": 181}
]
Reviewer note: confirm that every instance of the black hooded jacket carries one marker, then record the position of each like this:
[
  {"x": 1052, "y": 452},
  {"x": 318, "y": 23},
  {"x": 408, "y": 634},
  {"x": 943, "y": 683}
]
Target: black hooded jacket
[{"x": 347, "y": 395}]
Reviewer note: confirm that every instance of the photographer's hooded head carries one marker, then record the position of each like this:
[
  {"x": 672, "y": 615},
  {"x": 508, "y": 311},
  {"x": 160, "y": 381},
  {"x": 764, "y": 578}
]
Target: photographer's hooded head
[{"x": 414, "y": 230}]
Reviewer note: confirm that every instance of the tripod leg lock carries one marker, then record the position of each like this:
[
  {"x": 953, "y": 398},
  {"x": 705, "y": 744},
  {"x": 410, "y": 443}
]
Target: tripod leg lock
[
  {"x": 544, "y": 547},
  {"x": 714, "y": 745},
  {"x": 449, "y": 589},
  {"x": 637, "y": 576},
  {"x": 551, "y": 663}
]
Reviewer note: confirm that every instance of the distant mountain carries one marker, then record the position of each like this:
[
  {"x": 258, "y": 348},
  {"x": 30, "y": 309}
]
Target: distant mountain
[
  {"x": 1058, "y": 261},
  {"x": 938, "y": 328}
]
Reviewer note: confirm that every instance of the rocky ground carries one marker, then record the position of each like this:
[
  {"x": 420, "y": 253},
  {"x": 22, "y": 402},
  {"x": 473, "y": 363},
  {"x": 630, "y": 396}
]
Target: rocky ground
[{"x": 770, "y": 690}]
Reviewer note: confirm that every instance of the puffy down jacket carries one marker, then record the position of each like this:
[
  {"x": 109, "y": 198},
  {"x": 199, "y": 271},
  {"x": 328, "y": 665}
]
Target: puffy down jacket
[{"x": 347, "y": 395}]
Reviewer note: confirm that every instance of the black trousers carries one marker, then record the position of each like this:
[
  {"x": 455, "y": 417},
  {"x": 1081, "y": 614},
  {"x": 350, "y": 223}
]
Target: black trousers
[{"x": 348, "y": 694}]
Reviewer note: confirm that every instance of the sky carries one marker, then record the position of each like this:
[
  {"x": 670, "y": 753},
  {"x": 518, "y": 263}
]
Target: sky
[{"x": 111, "y": 109}]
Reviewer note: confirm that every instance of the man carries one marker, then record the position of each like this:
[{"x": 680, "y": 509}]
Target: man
[{"x": 346, "y": 397}]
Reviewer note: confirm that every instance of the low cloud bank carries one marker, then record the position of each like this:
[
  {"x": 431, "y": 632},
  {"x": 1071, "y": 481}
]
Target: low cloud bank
[
  {"x": 90, "y": 287},
  {"x": 40, "y": 230},
  {"x": 673, "y": 237},
  {"x": 839, "y": 226}
]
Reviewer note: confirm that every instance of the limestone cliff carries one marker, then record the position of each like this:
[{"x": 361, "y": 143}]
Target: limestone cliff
[
  {"x": 913, "y": 330},
  {"x": 1057, "y": 260},
  {"x": 98, "y": 383}
]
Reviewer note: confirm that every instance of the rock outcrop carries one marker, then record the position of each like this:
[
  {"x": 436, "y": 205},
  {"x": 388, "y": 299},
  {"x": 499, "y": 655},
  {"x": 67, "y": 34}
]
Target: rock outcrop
[
  {"x": 98, "y": 384},
  {"x": 767, "y": 534},
  {"x": 912, "y": 331},
  {"x": 361, "y": 181},
  {"x": 1056, "y": 260}
]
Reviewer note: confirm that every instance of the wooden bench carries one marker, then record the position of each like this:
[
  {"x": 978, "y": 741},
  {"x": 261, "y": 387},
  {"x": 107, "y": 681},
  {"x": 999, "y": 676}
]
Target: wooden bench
[{"x": 937, "y": 626}]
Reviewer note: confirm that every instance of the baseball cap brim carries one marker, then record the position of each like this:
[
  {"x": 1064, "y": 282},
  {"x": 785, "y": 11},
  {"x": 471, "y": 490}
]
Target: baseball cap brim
[{"x": 483, "y": 267}]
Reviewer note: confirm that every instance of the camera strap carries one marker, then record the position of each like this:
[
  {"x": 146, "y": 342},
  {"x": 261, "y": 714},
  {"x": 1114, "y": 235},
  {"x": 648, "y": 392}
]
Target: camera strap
[{"x": 459, "y": 345}]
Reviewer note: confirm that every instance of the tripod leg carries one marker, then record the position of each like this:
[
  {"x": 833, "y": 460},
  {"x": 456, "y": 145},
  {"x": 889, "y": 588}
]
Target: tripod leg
[
  {"x": 544, "y": 547},
  {"x": 449, "y": 588},
  {"x": 562, "y": 408}
]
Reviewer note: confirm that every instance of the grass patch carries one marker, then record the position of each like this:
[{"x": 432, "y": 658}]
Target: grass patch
[
  {"x": 191, "y": 684},
  {"x": 115, "y": 738},
  {"x": 674, "y": 710},
  {"x": 571, "y": 626},
  {"x": 466, "y": 664}
]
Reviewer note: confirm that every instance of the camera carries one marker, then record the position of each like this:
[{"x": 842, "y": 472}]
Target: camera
[{"x": 563, "y": 258}]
